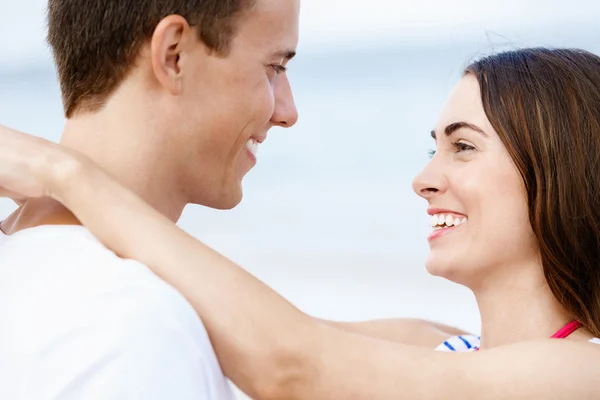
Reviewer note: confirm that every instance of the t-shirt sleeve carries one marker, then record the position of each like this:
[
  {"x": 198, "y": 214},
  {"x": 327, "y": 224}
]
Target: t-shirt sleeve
[{"x": 132, "y": 343}]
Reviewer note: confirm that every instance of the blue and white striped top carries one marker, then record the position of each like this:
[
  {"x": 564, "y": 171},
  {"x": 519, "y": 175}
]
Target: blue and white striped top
[
  {"x": 460, "y": 343},
  {"x": 466, "y": 343}
]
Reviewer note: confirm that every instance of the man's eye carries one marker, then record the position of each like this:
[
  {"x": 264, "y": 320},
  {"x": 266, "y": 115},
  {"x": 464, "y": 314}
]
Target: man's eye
[{"x": 279, "y": 69}]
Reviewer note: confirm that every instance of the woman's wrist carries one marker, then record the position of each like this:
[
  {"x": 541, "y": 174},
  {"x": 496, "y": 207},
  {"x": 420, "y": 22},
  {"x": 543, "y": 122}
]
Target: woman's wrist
[{"x": 66, "y": 174}]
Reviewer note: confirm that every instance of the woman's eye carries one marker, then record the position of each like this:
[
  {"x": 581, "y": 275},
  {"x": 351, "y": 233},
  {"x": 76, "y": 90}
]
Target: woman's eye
[{"x": 460, "y": 147}]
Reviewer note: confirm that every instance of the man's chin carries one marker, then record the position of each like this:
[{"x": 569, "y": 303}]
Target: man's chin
[
  {"x": 227, "y": 200},
  {"x": 226, "y": 206}
]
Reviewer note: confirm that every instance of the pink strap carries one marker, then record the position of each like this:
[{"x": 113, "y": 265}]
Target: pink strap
[{"x": 566, "y": 330}]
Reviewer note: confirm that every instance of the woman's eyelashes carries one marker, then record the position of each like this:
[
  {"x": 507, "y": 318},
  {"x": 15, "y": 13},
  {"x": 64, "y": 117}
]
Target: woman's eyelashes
[{"x": 458, "y": 147}]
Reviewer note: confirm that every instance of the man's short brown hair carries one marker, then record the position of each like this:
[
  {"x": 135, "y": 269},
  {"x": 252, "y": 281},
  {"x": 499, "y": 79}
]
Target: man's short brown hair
[{"x": 95, "y": 43}]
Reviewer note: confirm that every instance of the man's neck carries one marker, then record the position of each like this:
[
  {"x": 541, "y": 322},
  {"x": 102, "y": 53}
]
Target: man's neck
[
  {"x": 128, "y": 147},
  {"x": 129, "y": 144}
]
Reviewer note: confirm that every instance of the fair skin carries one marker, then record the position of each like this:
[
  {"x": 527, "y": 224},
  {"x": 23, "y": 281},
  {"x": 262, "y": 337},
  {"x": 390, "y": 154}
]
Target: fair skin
[
  {"x": 463, "y": 180},
  {"x": 285, "y": 354},
  {"x": 177, "y": 130}
]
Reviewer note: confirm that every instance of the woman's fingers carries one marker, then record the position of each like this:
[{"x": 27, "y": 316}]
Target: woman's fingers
[{"x": 33, "y": 167}]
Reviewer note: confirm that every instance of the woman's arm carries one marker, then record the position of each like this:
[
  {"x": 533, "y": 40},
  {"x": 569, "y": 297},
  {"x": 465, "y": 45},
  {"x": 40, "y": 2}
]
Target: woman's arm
[
  {"x": 358, "y": 367},
  {"x": 274, "y": 351},
  {"x": 270, "y": 349}
]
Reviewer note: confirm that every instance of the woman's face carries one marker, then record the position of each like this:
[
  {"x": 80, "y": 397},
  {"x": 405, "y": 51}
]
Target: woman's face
[{"x": 476, "y": 196}]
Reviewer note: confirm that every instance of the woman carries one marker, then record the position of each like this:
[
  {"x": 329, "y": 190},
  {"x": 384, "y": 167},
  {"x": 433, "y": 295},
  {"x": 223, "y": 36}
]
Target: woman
[{"x": 514, "y": 196}]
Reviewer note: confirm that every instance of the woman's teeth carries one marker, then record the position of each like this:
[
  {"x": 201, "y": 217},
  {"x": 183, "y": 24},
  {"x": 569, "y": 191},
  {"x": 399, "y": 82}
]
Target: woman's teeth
[
  {"x": 440, "y": 221},
  {"x": 252, "y": 146}
]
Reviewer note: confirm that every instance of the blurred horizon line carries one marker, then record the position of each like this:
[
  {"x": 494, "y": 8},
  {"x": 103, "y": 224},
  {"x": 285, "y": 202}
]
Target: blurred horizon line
[{"x": 490, "y": 42}]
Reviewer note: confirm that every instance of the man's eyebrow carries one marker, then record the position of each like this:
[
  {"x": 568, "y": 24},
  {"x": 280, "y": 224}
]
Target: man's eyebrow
[
  {"x": 450, "y": 129},
  {"x": 285, "y": 54}
]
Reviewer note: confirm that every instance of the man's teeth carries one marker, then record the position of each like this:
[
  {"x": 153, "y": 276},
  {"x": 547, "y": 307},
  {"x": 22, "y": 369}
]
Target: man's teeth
[
  {"x": 438, "y": 221},
  {"x": 252, "y": 146}
]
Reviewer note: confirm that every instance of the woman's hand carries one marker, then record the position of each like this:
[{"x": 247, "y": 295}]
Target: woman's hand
[{"x": 33, "y": 167}]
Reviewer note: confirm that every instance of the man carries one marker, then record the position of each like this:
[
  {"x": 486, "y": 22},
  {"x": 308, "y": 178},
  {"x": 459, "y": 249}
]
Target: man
[{"x": 173, "y": 98}]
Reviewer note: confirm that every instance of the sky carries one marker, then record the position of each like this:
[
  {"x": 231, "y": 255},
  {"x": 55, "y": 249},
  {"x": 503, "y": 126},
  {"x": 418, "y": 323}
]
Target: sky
[{"x": 329, "y": 23}]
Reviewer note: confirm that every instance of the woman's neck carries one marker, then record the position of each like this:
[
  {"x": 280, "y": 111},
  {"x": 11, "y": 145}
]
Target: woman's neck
[{"x": 518, "y": 308}]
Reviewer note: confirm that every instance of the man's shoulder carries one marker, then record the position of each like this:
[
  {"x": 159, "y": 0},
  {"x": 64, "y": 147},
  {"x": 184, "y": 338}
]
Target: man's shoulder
[
  {"x": 70, "y": 253},
  {"x": 84, "y": 317},
  {"x": 54, "y": 243},
  {"x": 134, "y": 341},
  {"x": 64, "y": 274}
]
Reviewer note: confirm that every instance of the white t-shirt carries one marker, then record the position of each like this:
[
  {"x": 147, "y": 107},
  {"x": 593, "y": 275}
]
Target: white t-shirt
[{"x": 77, "y": 322}]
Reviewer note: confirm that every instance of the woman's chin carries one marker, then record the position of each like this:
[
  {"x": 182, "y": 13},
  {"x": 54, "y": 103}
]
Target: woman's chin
[{"x": 447, "y": 268}]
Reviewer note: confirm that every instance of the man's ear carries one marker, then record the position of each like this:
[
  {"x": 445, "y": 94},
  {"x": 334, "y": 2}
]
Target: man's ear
[{"x": 169, "y": 43}]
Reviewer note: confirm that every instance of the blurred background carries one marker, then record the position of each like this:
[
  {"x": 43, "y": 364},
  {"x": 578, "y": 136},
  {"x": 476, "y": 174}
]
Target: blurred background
[{"x": 329, "y": 218}]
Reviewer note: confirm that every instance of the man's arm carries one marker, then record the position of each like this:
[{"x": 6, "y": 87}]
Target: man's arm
[{"x": 411, "y": 331}]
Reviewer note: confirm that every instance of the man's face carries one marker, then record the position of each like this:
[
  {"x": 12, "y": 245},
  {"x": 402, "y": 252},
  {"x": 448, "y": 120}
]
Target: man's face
[{"x": 228, "y": 104}]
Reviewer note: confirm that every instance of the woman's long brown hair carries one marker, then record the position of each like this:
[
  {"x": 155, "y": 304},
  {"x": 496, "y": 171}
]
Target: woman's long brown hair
[{"x": 545, "y": 106}]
